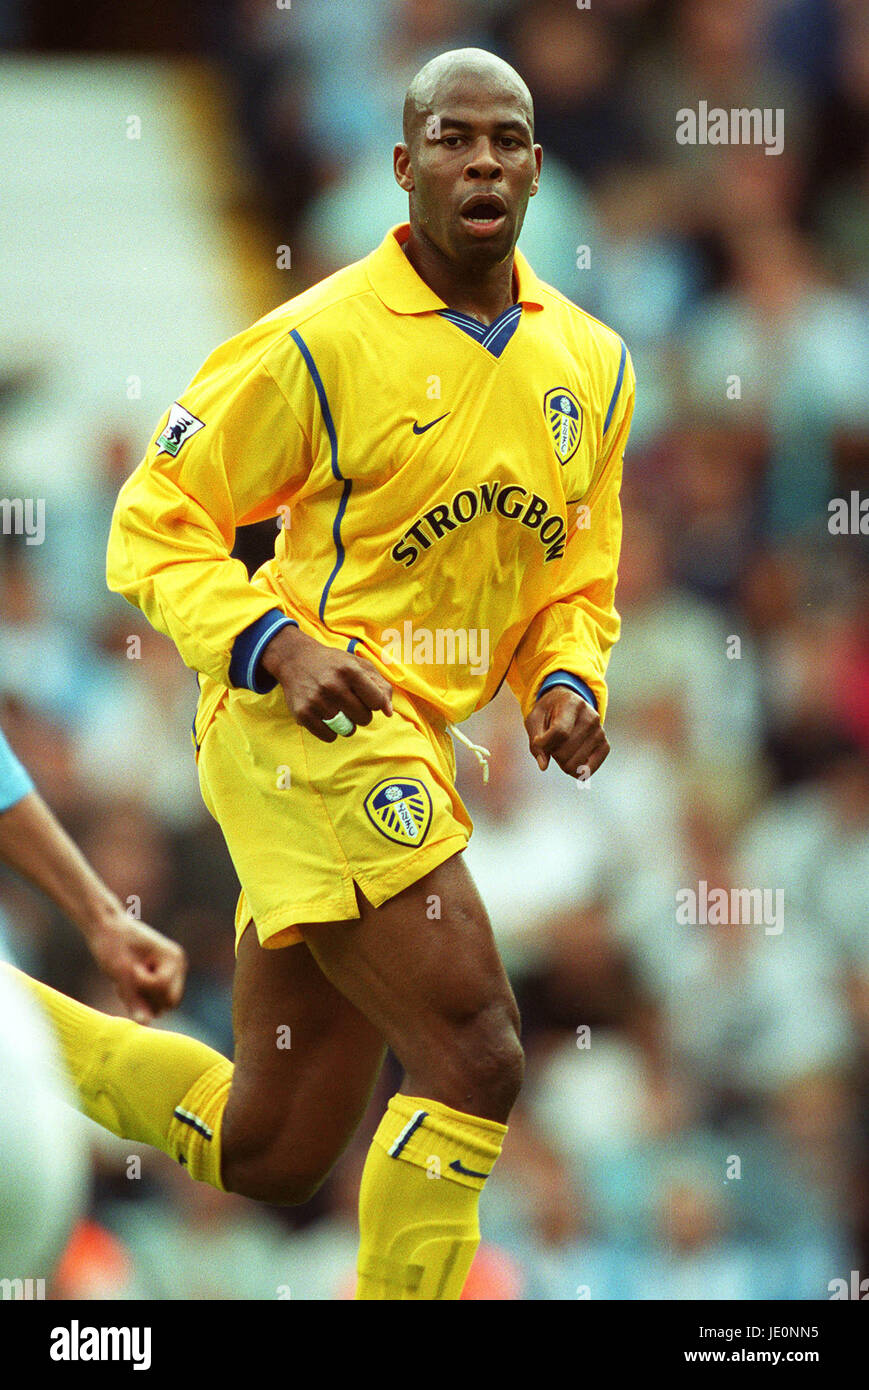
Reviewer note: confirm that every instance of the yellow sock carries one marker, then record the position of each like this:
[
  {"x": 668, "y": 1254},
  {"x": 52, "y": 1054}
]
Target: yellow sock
[
  {"x": 418, "y": 1200},
  {"x": 145, "y": 1085}
]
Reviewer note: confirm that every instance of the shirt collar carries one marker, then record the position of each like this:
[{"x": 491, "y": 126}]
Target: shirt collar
[{"x": 394, "y": 280}]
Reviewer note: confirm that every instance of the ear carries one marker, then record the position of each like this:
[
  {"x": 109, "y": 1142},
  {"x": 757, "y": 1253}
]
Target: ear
[
  {"x": 538, "y": 160},
  {"x": 401, "y": 168}
]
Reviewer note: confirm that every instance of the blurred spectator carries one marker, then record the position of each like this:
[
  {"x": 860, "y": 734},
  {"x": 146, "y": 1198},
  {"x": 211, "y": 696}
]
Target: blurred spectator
[{"x": 584, "y": 113}]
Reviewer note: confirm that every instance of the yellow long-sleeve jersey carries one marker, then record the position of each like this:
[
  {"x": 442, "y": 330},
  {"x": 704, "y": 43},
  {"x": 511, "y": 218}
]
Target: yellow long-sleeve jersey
[{"x": 447, "y": 492}]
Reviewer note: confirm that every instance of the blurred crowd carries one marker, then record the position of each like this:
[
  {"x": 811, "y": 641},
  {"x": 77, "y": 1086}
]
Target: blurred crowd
[{"x": 695, "y": 1117}]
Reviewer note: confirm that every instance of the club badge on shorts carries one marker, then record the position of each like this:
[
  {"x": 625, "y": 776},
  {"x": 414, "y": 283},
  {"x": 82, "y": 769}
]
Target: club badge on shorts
[
  {"x": 564, "y": 417},
  {"x": 401, "y": 809}
]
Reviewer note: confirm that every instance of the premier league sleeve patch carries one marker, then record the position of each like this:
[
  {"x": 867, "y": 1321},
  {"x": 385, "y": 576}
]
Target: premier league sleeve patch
[
  {"x": 401, "y": 809},
  {"x": 180, "y": 427},
  {"x": 564, "y": 417}
]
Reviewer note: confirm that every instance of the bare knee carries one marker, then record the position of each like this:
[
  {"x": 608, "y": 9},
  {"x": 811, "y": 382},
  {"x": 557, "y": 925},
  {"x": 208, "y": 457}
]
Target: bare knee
[
  {"x": 263, "y": 1159},
  {"x": 492, "y": 1059},
  {"x": 475, "y": 1064},
  {"x": 271, "y": 1185},
  {"x": 270, "y": 1174}
]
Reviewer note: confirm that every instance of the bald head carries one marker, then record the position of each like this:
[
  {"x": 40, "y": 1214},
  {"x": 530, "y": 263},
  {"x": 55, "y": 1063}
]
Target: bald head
[
  {"x": 490, "y": 75},
  {"x": 468, "y": 164}
]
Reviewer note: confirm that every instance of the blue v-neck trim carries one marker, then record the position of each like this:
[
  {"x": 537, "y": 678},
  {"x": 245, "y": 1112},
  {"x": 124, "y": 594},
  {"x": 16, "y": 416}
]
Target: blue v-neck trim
[{"x": 494, "y": 337}]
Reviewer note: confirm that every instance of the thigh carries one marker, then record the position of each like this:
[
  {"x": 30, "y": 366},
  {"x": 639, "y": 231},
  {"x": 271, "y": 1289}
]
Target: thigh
[
  {"x": 422, "y": 966},
  {"x": 306, "y": 1058}
]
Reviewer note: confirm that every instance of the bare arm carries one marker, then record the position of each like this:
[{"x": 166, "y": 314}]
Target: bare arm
[
  {"x": 34, "y": 843},
  {"x": 146, "y": 967}
]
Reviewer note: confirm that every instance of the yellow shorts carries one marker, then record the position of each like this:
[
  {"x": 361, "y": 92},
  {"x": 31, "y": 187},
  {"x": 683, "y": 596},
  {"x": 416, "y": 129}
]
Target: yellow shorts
[{"x": 303, "y": 820}]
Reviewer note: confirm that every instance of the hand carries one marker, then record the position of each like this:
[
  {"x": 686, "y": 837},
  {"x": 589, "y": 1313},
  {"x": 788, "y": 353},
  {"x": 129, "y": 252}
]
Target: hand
[
  {"x": 566, "y": 727},
  {"x": 147, "y": 968},
  {"x": 319, "y": 682}
]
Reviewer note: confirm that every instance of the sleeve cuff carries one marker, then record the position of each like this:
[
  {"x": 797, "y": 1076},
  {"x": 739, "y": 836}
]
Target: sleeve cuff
[
  {"x": 249, "y": 646},
  {"x": 15, "y": 781},
  {"x": 572, "y": 682}
]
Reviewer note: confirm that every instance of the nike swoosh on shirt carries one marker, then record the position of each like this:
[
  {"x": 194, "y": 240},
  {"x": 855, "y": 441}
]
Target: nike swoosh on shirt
[
  {"x": 421, "y": 429},
  {"x": 458, "y": 1166}
]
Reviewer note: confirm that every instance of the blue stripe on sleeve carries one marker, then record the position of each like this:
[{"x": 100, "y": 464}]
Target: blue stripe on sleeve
[
  {"x": 572, "y": 682},
  {"x": 15, "y": 781},
  {"x": 249, "y": 646},
  {"x": 619, "y": 380},
  {"x": 336, "y": 471}
]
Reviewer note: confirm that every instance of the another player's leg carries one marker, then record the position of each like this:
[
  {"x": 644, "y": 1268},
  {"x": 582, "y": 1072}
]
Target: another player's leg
[{"x": 435, "y": 988}]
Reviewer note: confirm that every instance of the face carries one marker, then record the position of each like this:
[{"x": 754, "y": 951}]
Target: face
[{"x": 470, "y": 170}]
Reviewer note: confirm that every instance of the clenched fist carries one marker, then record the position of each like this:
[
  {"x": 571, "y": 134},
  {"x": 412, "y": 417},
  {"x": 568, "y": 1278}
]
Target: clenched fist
[
  {"x": 319, "y": 682},
  {"x": 564, "y": 726}
]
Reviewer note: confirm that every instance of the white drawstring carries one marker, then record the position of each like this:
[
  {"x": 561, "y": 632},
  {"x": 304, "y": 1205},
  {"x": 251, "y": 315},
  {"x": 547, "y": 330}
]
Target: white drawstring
[{"x": 480, "y": 753}]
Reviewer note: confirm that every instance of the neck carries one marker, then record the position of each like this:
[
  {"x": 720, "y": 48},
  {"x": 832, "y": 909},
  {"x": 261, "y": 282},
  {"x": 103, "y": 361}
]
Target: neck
[{"x": 484, "y": 294}]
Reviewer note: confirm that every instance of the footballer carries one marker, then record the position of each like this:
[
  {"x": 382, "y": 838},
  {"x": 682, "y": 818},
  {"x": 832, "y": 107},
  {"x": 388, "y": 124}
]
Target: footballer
[{"x": 443, "y": 435}]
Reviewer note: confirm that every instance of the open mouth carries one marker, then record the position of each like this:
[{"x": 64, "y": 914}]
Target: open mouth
[
  {"x": 484, "y": 215},
  {"x": 484, "y": 212}
]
